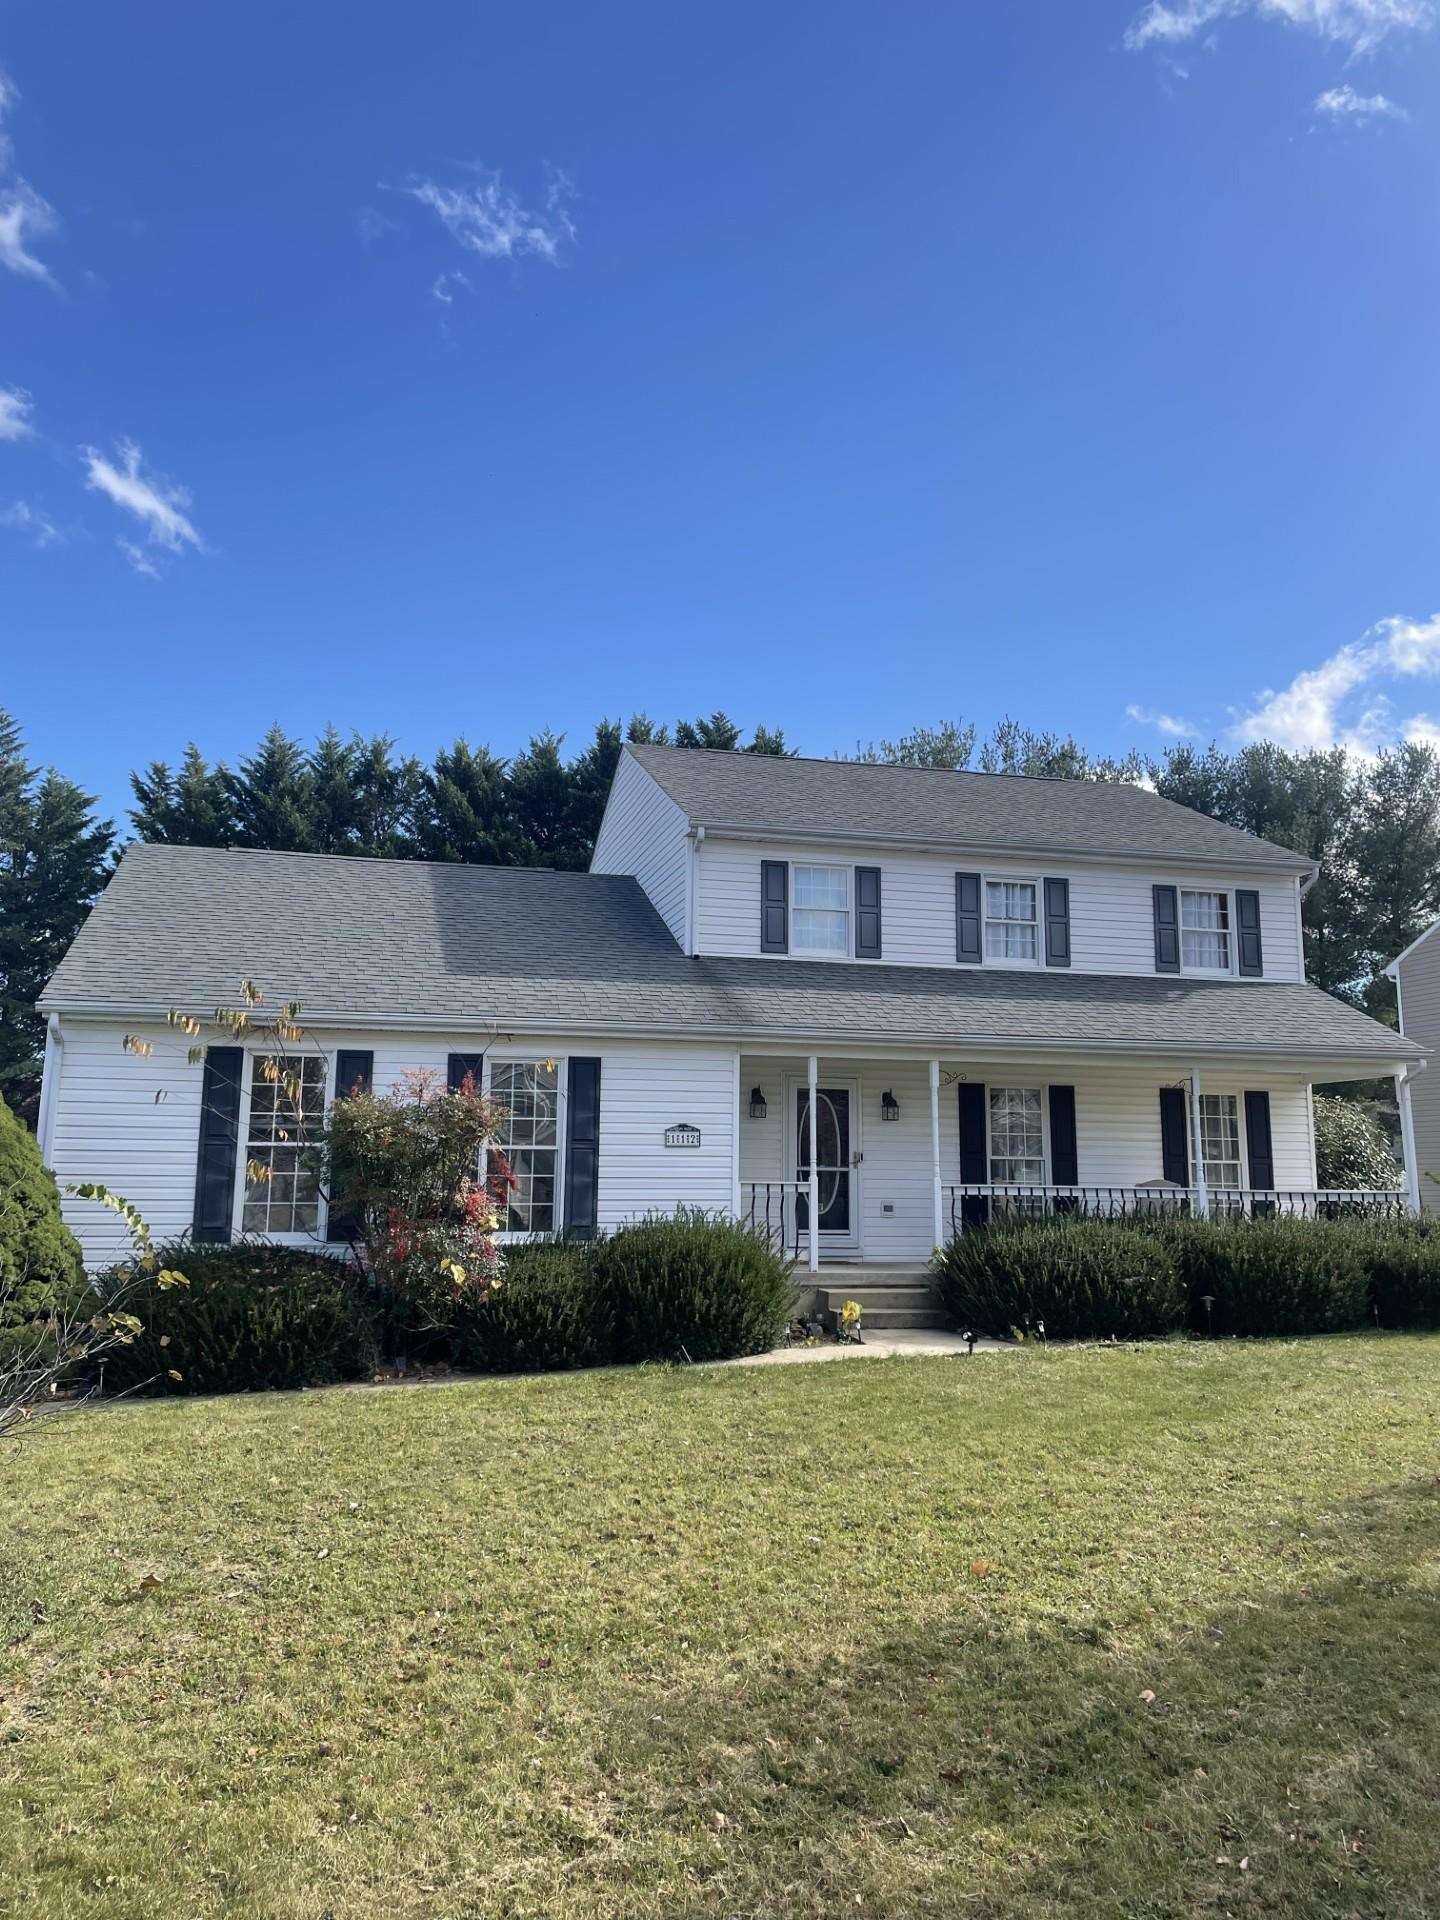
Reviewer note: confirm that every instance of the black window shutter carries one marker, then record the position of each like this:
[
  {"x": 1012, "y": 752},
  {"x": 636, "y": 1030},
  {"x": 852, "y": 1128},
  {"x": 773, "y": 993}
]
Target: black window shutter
[
  {"x": 774, "y": 906},
  {"x": 1167, "y": 930},
  {"x": 967, "y": 917},
  {"x": 219, "y": 1145},
  {"x": 1247, "y": 922},
  {"x": 1057, "y": 923},
  {"x": 459, "y": 1066},
  {"x": 867, "y": 913},
  {"x": 582, "y": 1151},
  {"x": 1064, "y": 1145},
  {"x": 354, "y": 1073},
  {"x": 974, "y": 1157},
  {"x": 1258, "y": 1140},
  {"x": 1174, "y": 1136}
]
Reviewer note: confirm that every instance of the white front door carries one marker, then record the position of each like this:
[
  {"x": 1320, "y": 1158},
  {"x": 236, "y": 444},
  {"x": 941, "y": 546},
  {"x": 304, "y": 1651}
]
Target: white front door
[{"x": 837, "y": 1163}]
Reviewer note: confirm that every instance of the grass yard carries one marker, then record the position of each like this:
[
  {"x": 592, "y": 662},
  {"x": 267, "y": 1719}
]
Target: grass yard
[{"x": 1140, "y": 1633}]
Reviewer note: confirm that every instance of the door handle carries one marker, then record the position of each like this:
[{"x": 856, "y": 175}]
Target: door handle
[{"x": 856, "y": 1158}]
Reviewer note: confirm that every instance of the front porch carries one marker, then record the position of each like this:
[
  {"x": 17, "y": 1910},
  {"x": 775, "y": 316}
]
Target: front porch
[{"x": 862, "y": 1163}]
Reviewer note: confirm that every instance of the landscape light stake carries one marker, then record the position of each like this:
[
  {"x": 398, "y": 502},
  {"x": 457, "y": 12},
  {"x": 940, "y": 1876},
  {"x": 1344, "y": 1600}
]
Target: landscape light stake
[
  {"x": 1207, "y": 1300},
  {"x": 969, "y": 1338}
]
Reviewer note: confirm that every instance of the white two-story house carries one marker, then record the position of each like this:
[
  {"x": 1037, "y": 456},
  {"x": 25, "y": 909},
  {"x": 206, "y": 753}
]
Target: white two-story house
[{"x": 865, "y": 1006}]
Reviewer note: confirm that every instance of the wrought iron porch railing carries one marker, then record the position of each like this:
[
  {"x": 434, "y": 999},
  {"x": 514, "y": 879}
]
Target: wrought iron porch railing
[
  {"x": 975, "y": 1205},
  {"x": 770, "y": 1206}
]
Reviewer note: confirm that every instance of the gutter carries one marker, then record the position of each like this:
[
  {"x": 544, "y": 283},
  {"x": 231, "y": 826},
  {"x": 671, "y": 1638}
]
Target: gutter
[
  {"x": 731, "y": 1034},
  {"x": 45, "y": 1120}
]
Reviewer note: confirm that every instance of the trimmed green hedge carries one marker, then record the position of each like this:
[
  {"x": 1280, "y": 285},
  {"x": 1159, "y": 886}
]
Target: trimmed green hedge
[
  {"x": 1276, "y": 1276},
  {"x": 1144, "y": 1279},
  {"x": 1065, "y": 1279},
  {"x": 547, "y": 1313},
  {"x": 693, "y": 1285},
  {"x": 253, "y": 1317},
  {"x": 688, "y": 1284}
]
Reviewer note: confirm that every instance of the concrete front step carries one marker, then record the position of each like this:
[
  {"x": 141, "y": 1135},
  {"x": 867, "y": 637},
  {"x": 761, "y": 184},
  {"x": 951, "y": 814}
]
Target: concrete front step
[{"x": 907, "y": 1300}]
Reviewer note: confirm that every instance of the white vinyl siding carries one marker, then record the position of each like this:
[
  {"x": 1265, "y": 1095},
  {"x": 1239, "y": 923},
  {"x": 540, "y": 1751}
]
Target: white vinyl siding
[
  {"x": 645, "y": 834},
  {"x": 1420, "y": 1020},
  {"x": 1112, "y": 914}
]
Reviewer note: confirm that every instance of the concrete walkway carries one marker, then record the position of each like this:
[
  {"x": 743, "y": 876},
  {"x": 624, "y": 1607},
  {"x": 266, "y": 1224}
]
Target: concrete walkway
[{"x": 877, "y": 1346}]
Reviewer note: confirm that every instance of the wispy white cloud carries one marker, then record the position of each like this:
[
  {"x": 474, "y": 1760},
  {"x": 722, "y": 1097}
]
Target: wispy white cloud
[
  {"x": 489, "y": 220},
  {"x": 1166, "y": 723},
  {"x": 16, "y": 408},
  {"x": 1360, "y": 24},
  {"x": 158, "y": 504},
  {"x": 138, "y": 558},
  {"x": 442, "y": 286},
  {"x": 1343, "y": 702},
  {"x": 21, "y": 517},
  {"x": 25, "y": 215},
  {"x": 1343, "y": 104}
]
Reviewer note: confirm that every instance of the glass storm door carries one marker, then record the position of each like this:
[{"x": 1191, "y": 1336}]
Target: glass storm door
[{"x": 834, "y": 1163}]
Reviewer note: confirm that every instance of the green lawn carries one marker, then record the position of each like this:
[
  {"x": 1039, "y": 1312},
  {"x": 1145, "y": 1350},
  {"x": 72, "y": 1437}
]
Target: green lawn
[{"x": 1104, "y": 1633}]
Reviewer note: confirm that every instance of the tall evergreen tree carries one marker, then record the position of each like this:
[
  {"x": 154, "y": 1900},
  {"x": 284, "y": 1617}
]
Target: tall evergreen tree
[
  {"x": 273, "y": 795},
  {"x": 465, "y": 810},
  {"x": 540, "y": 794},
  {"x": 54, "y": 858},
  {"x": 189, "y": 808}
]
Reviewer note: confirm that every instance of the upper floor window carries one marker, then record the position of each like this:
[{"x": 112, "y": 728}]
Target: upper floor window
[
  {"x": 821, "y": 920},
  {"x": 1011, "y": 927},
  {"x": 282, "y": 1192},
  {"x": 1205, "y": 932}
]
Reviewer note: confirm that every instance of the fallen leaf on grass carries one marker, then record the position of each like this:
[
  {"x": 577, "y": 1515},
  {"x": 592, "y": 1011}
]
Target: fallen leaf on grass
[
  {"x": 980, "y": 1568},
  {"x": 1148, "y": 1696}
]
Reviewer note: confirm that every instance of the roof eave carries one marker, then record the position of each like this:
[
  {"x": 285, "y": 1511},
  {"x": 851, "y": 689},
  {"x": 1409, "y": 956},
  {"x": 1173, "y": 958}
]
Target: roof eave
[
  {"x": 739, "y": 1032},
  {"x": 1283, "y": 861}
]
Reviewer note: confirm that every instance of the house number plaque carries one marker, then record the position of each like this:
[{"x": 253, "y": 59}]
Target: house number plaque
[{"x": 682, "y": 1134}]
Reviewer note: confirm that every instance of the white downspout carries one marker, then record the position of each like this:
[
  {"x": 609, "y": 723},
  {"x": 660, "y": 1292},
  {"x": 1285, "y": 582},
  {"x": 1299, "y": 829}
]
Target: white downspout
[
  {"x": 49, "y": 1085},
  {"x": 692, "y": 892},
  {"x": 814, "y": 1078},
  {"x": 935, "y": 1151},
  {"x": 1202, "y": 1198}
]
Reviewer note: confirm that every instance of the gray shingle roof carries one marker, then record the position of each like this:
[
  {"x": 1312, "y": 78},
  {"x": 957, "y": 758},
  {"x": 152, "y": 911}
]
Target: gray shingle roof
[
  {"x": 852, "y": 800},
  {"x": 404, "y": 943}
]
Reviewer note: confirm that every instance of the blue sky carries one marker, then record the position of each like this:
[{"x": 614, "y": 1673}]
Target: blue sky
[{"x": 454, "y": 368}]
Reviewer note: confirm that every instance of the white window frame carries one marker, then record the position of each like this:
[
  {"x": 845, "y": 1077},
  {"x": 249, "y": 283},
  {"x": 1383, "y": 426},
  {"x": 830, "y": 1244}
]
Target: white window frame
[
  {"x": 506, "y": 1236},
  {"x": 987, "y": 959},
  {"x": 823, "y": 953},
  {"x": 1227, "y": 894},
  {"x": 317, "y": 1238},
  {"x": 1243, "y": 1164}
]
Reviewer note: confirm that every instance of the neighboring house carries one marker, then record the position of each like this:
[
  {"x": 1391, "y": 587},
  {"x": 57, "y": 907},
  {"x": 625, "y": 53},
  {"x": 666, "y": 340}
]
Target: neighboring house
[
  {"x": 1416, "y": 973},
  {"x": 867, "y": 1005}
]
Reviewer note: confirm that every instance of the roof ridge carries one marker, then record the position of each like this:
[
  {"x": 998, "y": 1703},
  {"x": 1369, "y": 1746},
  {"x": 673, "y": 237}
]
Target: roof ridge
[{"x": 373, "y": 860}]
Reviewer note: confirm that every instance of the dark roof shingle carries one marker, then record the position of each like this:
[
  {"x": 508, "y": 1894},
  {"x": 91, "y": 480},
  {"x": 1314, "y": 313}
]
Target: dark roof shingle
[{"x": 855, "y": 800}]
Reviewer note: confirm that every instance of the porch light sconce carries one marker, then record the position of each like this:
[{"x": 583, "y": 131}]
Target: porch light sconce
[
  {"x": 758, "y": 1108},
  {"x": 889, "y": 1106}
]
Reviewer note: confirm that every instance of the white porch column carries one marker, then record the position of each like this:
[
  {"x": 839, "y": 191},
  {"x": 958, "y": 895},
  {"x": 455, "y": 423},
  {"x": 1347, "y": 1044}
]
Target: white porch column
[
  {"x": 813, "y": 1075},
  {"x": 935, "y": 1152},
  {"x": 1407, "y": 1140},
  {"x": 1202, "y": 1198}
]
